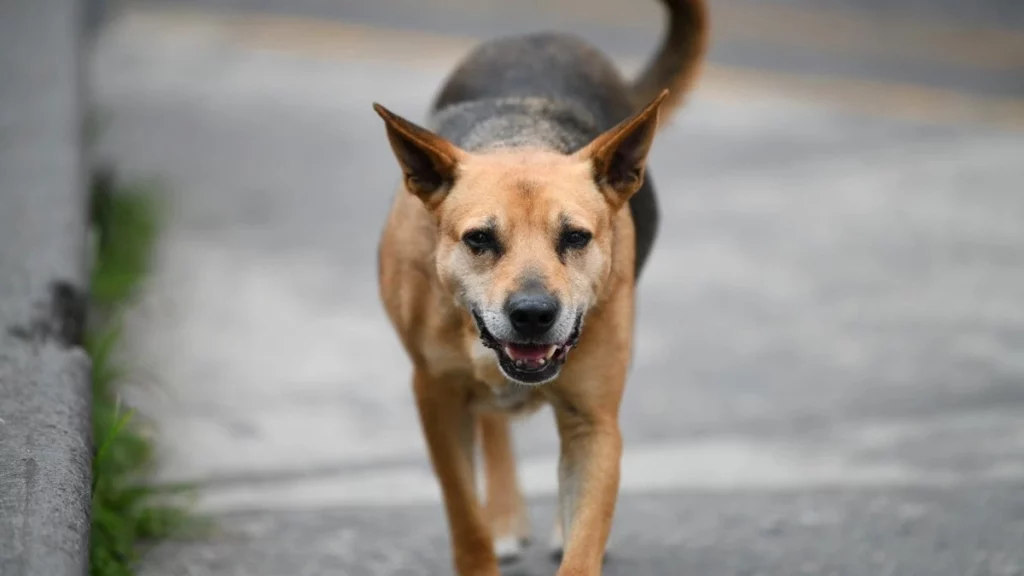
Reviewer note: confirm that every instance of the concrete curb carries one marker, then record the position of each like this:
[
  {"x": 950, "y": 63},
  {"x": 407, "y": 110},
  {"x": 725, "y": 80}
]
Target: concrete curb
[{"x": 45, "y": 444}]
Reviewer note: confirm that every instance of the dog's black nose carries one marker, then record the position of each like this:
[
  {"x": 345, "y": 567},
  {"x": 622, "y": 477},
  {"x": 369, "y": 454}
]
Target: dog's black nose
[{"x": 532, "y": 312}]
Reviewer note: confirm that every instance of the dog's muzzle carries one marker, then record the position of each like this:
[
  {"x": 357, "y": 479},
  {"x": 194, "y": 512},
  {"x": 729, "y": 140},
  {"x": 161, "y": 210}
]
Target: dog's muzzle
[{"x": 531, "y": 360}]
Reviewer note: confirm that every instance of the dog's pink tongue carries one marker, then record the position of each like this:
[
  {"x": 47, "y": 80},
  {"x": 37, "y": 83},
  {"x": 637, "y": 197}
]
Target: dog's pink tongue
[{"x": 527, "y": 351}]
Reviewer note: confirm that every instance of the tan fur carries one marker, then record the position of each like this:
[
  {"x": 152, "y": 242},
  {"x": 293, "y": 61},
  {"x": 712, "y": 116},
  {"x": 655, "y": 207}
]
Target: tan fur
[
  {"x": 506, "y": 511},
  {"x": 428, "y": 277},
  {"x": 420, "y": 257}
]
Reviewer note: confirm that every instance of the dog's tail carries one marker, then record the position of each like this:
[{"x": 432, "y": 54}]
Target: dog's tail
[{"x": 678, "y": 61}]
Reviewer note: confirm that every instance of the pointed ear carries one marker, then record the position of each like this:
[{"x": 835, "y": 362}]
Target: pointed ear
[
  {"x": 428, "y": 161},
  {"x": 619, "y": 155}
]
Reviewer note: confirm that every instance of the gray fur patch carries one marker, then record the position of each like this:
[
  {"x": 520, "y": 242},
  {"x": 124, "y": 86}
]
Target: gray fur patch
[{"x": 482, "y": 125}]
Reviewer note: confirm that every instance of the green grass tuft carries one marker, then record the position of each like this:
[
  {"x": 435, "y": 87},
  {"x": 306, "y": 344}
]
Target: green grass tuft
[
  {"x": 125, "y": 218},
  {"x": 125, "y": 513}
]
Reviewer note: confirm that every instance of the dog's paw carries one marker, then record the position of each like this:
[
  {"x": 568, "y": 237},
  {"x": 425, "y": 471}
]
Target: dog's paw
[
  {"x": 511, "y": 533},
  {"x": 510, "y": 548},
  {"x": 555, "y": 543}
]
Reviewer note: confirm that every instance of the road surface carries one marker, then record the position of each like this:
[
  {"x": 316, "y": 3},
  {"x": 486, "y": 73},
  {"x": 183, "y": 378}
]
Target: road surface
[{"x": 827, "y": 377}]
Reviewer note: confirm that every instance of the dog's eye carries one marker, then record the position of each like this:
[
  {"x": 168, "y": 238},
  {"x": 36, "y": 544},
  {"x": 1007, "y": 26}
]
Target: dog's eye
[
  {"x": 574, "y": 239},
  {"x": 480, "y": 240}
]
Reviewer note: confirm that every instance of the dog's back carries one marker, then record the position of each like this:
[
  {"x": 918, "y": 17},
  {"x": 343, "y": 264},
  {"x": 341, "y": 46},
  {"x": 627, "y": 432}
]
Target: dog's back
[{"x": 556, "y": 91}]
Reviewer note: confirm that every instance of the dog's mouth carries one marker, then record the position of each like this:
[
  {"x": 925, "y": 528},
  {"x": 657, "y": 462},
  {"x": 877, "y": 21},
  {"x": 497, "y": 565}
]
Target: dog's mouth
[{"x": 529, "y": 362}]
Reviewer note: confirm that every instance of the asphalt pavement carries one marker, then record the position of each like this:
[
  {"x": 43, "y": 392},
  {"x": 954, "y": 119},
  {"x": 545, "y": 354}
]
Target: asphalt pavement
[{"x": 827, "y": 377}]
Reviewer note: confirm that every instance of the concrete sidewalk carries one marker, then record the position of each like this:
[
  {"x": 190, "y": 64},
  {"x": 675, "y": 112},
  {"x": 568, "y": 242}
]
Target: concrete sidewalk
[
  {"x": 45, "y": 450},
  {"x": 826, "y": 377}
]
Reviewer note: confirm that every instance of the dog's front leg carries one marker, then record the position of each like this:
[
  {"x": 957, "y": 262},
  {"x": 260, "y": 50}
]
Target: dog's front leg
[
  {"x": 448, "y": 426},
  {"x": 505, "y": 507},
  {"x": 588, "y": 485}
]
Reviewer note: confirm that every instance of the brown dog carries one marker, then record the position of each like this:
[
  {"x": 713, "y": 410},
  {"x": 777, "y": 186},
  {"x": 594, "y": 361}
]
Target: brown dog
[{"x": 508, "y": 267}]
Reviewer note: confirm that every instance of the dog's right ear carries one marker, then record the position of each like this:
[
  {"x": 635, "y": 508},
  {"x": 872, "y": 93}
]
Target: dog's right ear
[{"x": 428, "y": 161}]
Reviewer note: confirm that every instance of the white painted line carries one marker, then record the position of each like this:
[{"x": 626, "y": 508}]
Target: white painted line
[{"x": 720, "y": 465}]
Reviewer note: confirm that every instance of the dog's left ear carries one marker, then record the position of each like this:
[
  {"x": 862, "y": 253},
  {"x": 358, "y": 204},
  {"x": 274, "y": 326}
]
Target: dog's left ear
[
  {"x": 619, "y": 155},
  {"x": 428, "y": 161}
]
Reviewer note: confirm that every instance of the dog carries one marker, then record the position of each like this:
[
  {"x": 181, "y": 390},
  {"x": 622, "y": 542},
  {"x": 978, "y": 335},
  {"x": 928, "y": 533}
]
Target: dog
[{"x": 508, "y": 264}]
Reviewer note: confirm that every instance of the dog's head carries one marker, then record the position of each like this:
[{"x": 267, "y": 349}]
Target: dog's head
[{"x": 524, "y": 236}]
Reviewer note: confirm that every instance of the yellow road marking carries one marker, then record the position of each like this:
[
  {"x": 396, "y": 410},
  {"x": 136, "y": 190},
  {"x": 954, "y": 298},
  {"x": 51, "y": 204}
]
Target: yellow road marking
[
  {"x": 836, "y": 31},
  {"x": 338, "y": 39},
  {"x": 833, "y": 29}
]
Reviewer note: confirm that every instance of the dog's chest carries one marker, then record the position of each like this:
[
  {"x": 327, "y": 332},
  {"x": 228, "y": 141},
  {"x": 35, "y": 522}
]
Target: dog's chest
[{"x": 512, "y": 399}]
